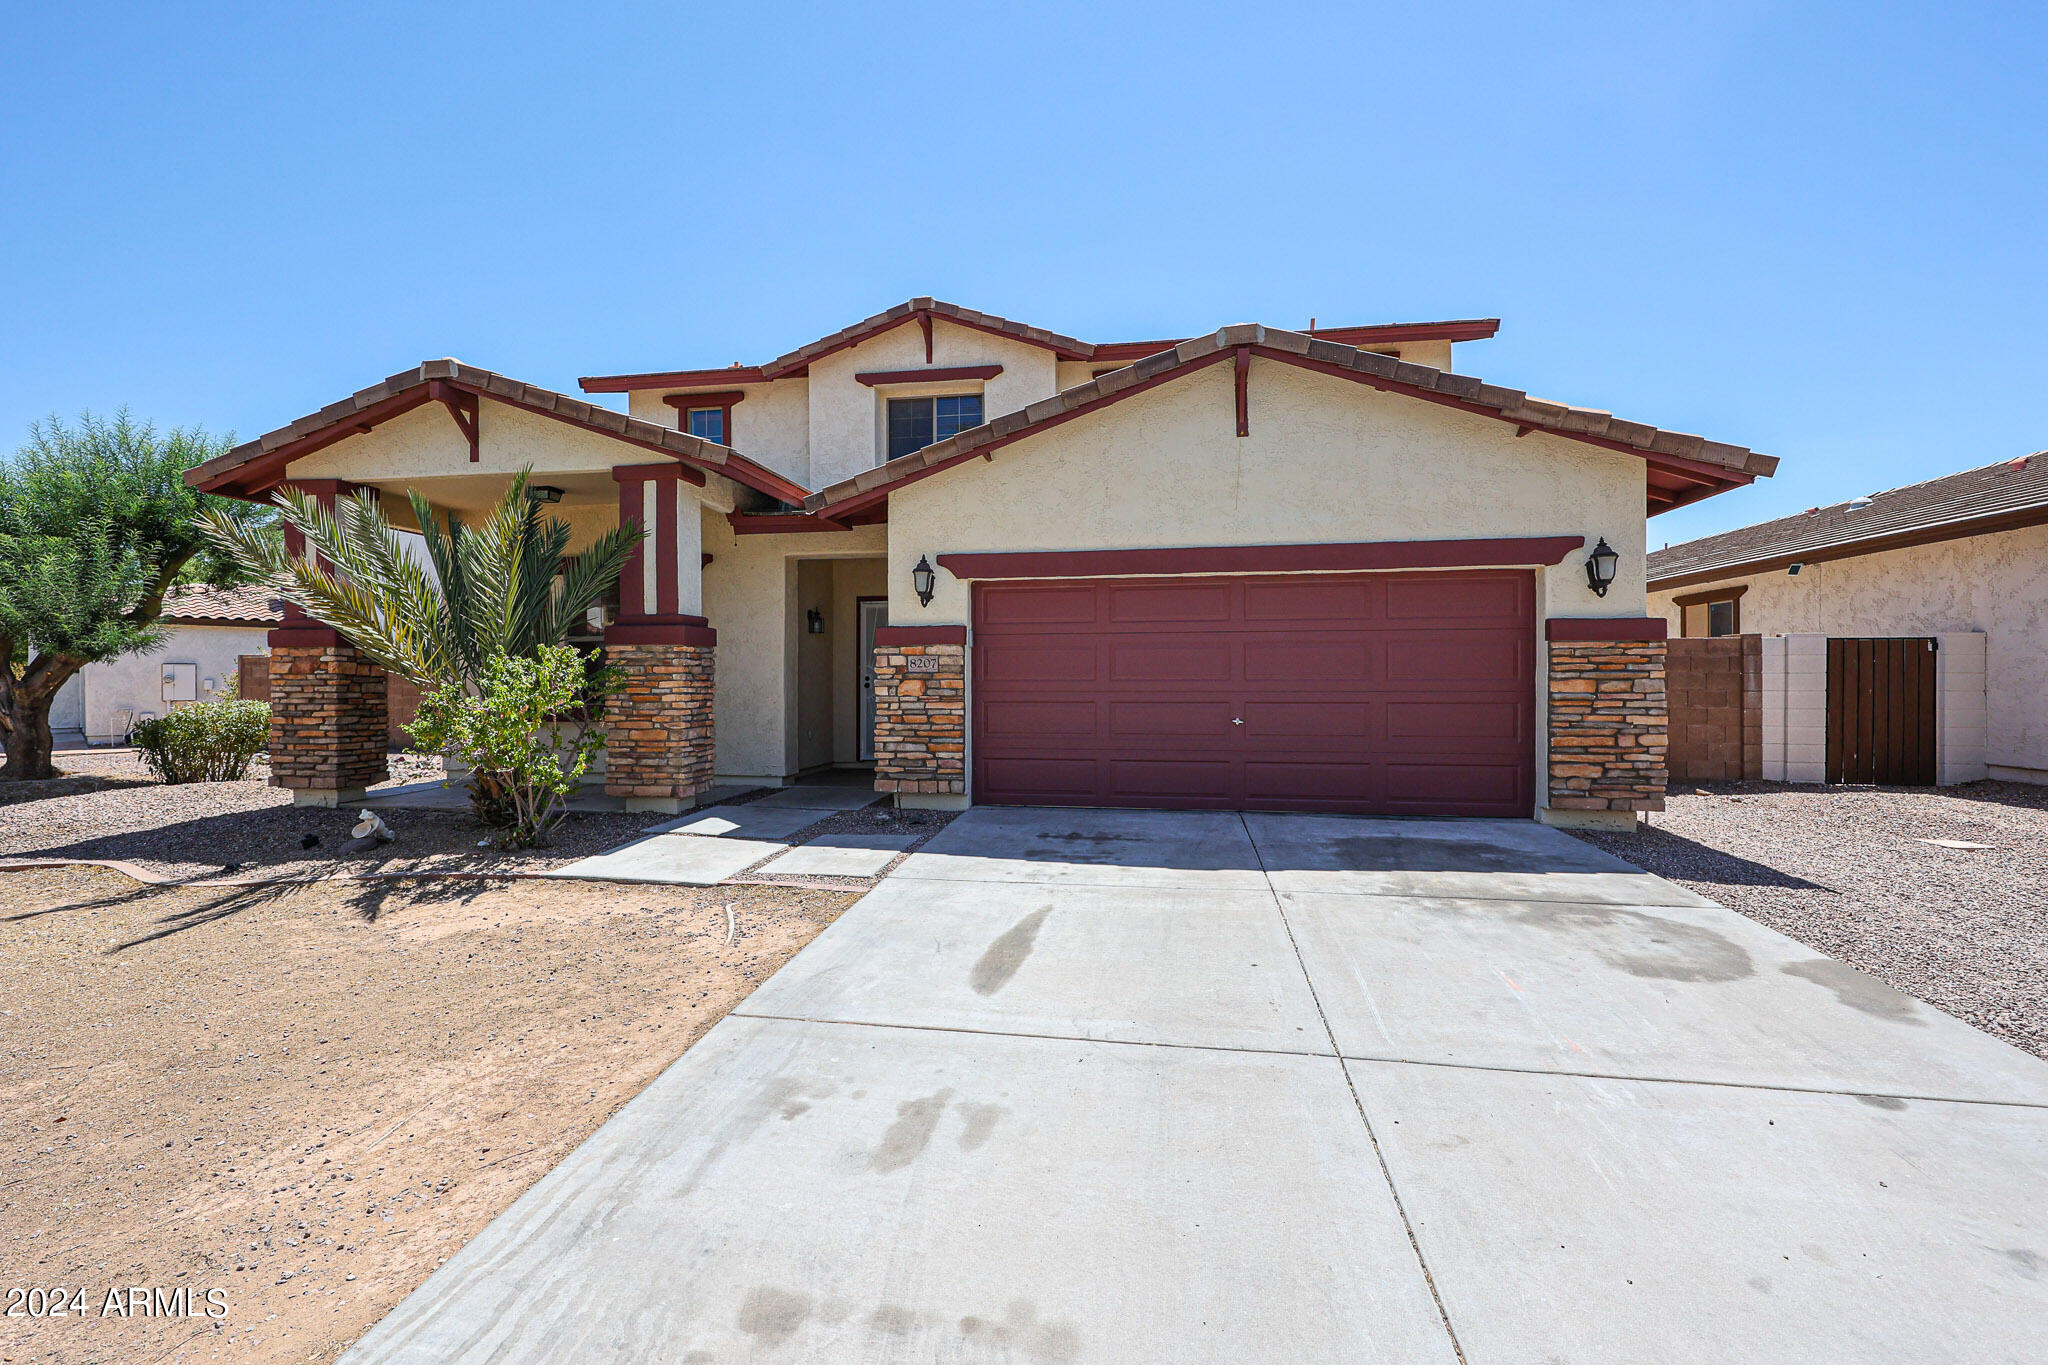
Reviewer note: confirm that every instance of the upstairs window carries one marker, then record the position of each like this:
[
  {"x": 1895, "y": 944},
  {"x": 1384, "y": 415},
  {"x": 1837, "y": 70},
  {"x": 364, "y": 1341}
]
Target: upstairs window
[
  {"x": 915, "y": 423},
  {"x": 706, "y": 424}
]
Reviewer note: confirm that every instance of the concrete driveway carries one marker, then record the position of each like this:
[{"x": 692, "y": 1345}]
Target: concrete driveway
[{"x": 1128, "y": 1086}]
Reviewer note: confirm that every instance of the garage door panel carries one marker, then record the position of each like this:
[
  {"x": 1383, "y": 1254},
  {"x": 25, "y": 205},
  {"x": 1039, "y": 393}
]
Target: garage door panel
[
  {"x": 1438, "y": 658},
  {"x": 1309, "y": 663},
  {"x": 1507, "y": 600},
  {"x": 1063, "y": 604},
  {"x": 1162, "y": 661},
  {"x": 1027, "y": 719},
  {"x": 1172, "y": 602},
  {"x": 1041, "y": 661},
  {"x": 1312, "y": 599},
  {"x": 1306, "y": 720},
  {"x": 1461, "y": 724},
  {"x": 1397, "y": 693},
  {"x": 1208, "y": 720}
]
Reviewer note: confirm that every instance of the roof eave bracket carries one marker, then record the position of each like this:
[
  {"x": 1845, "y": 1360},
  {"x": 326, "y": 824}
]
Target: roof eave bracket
[{"x": 462, "y": 406}]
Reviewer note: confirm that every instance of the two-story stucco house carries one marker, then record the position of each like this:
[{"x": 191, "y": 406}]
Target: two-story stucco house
[{"x": 1255, "y": 569}]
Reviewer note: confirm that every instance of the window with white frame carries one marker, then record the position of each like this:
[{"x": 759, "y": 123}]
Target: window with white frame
[{"x": 915, "y": 423}]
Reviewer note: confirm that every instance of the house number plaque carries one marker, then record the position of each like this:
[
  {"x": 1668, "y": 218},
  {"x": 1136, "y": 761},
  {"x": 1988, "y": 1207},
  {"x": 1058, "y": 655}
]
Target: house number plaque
[{"x": 921, "y": 663}]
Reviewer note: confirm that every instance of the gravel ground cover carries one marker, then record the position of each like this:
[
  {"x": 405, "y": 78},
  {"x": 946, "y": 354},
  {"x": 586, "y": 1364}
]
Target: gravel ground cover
[
  {"x": 107, "y": 806},
  {"x": 309, "y": 1095},
  {"x": 1845, "y": 871}
]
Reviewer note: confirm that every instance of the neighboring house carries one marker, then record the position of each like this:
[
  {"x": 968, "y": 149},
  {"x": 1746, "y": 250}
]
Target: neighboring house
[
  {"x": 209, "y": 632},
  {"x": 1968, "y": 552},
  {"x": 1255, "y": 569}
]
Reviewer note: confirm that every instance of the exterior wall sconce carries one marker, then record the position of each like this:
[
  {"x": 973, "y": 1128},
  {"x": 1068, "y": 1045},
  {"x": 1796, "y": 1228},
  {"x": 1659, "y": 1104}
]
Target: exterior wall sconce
[
  {"x": 814, "y": 621},
  {"x": 925, "y": 580},
  {"x": 544, "y": 492},
  {"x": 1600, "y": 566}
]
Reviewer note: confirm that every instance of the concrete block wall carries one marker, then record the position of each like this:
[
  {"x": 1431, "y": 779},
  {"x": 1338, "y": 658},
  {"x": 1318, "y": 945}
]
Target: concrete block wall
[
  {"x": 1962, "y": 716},
  {"x": 1804, "y": 708}
]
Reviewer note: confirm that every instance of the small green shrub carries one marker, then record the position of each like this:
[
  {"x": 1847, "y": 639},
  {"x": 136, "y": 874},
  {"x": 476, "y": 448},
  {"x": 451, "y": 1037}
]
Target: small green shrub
[{"x": 209, "y": 741}]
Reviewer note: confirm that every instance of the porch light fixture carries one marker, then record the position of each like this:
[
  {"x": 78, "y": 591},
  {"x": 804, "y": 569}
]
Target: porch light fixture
[
  {"x": 814, "y": 621},
  {"x": 925, "y": 580},
  {"x": 1600, "y": 567},
  {"x": 544, "y": 492}
]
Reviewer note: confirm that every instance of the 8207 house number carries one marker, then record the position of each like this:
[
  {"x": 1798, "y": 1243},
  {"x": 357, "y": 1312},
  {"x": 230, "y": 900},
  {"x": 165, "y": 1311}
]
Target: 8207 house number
[{"x": 920, "y": 663}]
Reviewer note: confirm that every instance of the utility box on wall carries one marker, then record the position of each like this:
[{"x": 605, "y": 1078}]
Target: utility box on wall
[{"x": 180, "y": 682}]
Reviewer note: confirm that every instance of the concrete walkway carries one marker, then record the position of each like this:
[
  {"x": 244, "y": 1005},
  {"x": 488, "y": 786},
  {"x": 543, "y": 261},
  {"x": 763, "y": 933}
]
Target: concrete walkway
[{"x": 1122, "y": 1086}]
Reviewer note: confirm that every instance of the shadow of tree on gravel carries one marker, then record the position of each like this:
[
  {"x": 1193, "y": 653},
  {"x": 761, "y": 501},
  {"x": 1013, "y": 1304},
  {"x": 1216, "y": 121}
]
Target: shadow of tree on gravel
[
  {"x": 369, "y": 899},
  {"x": 1678, "y": 858},
  {"x": 212, "y": 911}
]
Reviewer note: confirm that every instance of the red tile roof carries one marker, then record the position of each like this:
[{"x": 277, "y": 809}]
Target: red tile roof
[{"x": 198, "y": 605}]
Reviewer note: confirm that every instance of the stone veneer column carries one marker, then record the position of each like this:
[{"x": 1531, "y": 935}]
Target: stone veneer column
[
  {"x": 1608, "y": 723},
  {"x": 659, "y": 742},
  {"x": 328, "y": 725},
  {"x": 921, "y": 711}
]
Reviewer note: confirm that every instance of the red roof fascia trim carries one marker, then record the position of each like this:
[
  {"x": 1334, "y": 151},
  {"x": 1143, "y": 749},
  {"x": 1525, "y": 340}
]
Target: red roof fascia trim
[
  {"x": 725, "y": 399},
  {"x": 762, "y": 479},
  {"x": 2014, "y": 520},
  {"x": 944, "y": 372},
  {"x": 670, "y": 379},
  {"x": 780, "y": 523},
  {"x": 920, "y": 635},
  {"x": 1717, "y": 477},
  {"x": 1585, "y": 628},
  {"x": 1470, "y": 329},
  {"x": 261, "y": 472},
  {"x": 1506, "y": 552},
  {"x": 847, "y": 506}
]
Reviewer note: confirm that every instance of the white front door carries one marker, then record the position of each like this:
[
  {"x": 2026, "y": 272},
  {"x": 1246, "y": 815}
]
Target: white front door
[{"x": 872, "y": 614}]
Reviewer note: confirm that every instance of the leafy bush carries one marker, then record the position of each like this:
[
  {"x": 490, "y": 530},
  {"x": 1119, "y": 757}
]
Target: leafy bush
[
  {"x": 210, "y": 741},
  {"x": 516, "y": 732}
]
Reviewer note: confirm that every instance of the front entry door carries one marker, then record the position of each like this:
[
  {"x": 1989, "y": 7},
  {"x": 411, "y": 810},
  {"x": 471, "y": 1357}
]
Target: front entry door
[{"x": 874, "y": 612}]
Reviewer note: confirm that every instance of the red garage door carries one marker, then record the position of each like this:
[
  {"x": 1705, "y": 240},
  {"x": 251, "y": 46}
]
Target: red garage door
[{"x": 1378, "y": 693}]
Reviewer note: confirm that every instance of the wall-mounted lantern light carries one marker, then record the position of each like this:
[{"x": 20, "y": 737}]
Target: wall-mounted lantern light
[
  {"x": 544, "y": 492},
  {"x": 924, "y": 580},
  {"x": 1600, "y": 566},
  {"x": 814, "y": 621}
]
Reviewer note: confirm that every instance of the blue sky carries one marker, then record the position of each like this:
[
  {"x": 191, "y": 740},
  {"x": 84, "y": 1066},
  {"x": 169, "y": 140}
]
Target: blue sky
[{"x": 1811, "y": 229}]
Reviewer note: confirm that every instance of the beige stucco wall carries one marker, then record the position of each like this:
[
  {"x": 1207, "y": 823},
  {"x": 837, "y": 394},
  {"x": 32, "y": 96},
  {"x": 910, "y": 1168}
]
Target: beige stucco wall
[
  {"x": 1327, "y": 461},
  {"x": 1997, "y": 584},
  {"x": 133, "y": 682},
  {"x": 847, "y": 416},
  {"x": 751, "y": 595},
  {"x": 771, "y": 425}
]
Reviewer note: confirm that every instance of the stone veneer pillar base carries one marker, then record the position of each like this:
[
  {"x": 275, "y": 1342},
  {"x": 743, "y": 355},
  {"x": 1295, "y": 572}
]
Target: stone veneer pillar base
[
  {"x": 659, "y": 744},
  {"x": 1608, "y": 730},
  {"x": 328, "y": 726},
  {"x": 921, "y": 722}
]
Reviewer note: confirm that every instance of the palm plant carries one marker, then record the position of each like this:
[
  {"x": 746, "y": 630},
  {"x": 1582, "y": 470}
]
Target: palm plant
[{"x": 499, "y": 589}]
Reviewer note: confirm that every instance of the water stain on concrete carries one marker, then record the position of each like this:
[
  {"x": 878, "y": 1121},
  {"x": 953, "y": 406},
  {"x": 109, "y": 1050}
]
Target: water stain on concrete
[
  {"x": 1051, "y": 1343},
  {"x": 893, "y": 1319},
  {"x": 978, "y": 1121},
  {"x": 1646, "y": 945},
  {"x": 1079, "y": 847},
  {"x": 771, "y": 1315},
  {"x": 1891, "y": 1102},
  {"x": 1857, "y": 990},
  {"x": 2026, "y": 1263},
  {"x": 1003, "y": 957},
  {"x": 911, "y": 1133},
  {"x": 1760, "y": 1283}
]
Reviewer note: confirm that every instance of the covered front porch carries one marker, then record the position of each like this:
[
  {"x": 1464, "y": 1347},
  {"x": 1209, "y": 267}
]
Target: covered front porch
[{"x": 746, "y": 648}]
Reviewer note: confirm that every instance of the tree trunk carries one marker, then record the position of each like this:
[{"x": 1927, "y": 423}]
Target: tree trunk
[{"x": 28, "y": 739}]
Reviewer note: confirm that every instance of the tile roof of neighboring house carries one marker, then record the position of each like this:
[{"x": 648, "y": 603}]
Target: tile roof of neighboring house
[
  {"x": 923, "y": 310},
  {"x": 258, "y": 464},
  {"x": 198, "y": 605},
  {"x": 1995, "y": 497},
  {"x": 1683, "y": 468}
]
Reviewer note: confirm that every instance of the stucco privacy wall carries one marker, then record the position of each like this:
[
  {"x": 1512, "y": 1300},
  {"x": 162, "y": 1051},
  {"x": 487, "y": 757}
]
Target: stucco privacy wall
[
  {"x": 771, "y": 425},
  {"x": 847, "y": 416},
  {"x": 1997, "y": 584},
  {"x": 133, "y": 682},
  {"x": 1327, "y": 461},
  {"x": 750, "y": 595}
]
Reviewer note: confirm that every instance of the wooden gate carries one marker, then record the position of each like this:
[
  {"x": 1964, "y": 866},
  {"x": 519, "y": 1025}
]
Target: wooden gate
[{"x": 1881, "y": 712}]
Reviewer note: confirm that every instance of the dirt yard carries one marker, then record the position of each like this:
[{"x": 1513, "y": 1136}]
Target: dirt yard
[
  {"x": 306, "y": 1097},
  {"x": 1848, "y": 872}
]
